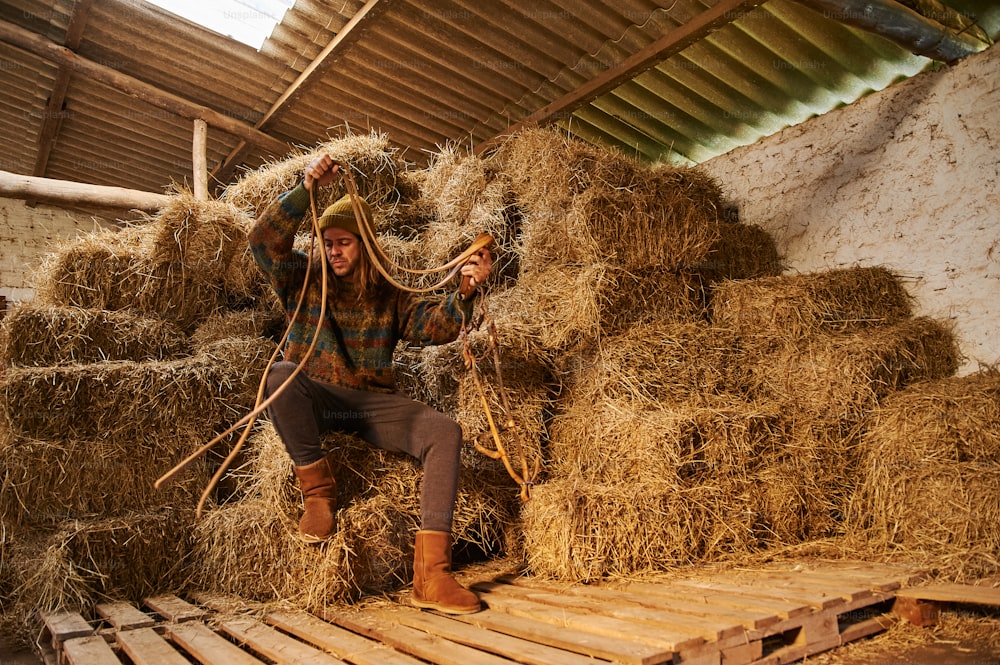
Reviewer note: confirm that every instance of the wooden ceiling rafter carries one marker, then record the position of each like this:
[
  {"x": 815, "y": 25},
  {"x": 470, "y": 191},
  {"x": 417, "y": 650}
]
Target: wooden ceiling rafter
[
  {"x": 54, "y": 111},
  {"x": 40, "y": 46},
  {"x": 675, "y": 41},
  {"x": 313, "y": 72}
]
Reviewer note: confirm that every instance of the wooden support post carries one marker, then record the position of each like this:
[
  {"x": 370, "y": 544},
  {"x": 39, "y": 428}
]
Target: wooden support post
[{"x": 199, "y": 158}]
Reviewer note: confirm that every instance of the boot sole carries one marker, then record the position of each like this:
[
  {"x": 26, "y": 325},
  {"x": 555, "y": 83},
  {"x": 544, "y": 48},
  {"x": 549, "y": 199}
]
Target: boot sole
[{"x": 444, "y": 608}]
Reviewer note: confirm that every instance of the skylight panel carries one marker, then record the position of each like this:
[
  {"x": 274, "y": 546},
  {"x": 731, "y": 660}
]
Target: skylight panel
[{"x": 247, "y": 21}]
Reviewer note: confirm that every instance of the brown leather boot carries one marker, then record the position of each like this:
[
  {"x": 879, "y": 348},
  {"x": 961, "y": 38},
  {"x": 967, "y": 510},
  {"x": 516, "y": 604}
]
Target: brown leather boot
[
  {"x": 319, "y": 497},
  {"x": 433, "y": 585}
]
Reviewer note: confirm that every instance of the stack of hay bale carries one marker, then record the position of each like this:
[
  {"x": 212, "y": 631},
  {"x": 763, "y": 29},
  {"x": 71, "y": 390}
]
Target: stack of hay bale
[
  {"x": 709, "y": 405},
  {"x": 108, "y": 381},
  {"x": 686, "y": 400}
]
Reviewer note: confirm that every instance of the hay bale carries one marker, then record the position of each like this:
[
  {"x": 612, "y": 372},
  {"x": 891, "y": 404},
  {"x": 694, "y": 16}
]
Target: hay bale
[
  {"x": 250, "y": 549},
  {"x": 199, "y": 237},
  {"x": 378, "y": 494},
  {"x": 618, "y": 440},
  {"x": 666, "y": 219},
  {"x": 550, "y": 312},
  {"x": 598, "y": 232},
  {"x": 102, "y": 270},
  {"x": 802, "y": 490},
  {"x": 244, "y": 285},
  {"x": 131, "y": 400},
  {"x": 564, "y": 310},
  {"x": 79, "y": 563},
  {"x": 797, "y": 306},
  {"x": 583, "y": 201},
  {"x": 49, "y": 481},
  {"x": 657, "y": 362},
  {"x": 648, "y": 295},
  {"x": 742, "y": 252},
  {"x": 930, "y": 475},
  {"x": 576, "y": 531},
  {"x": 604, "y": 240},
  {"x": 547, "y": 167},
  {"x": 465, "y": 196},
  {"x": 174, "y": 265},
  {"x": 840, "y": 377},
  {"x": 39, "y": 335},
  {"x": 520, "y": 410},
  {"x": 428, "y": 375},
  {"x": 252, "y": 323},
  {"x": 376, "y": 166},
  {"x": 456, "y": 184}
]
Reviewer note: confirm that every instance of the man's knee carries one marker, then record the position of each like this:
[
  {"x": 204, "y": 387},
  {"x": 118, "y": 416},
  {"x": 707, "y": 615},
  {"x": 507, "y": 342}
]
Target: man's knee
[{"x": 278, "y": 374}]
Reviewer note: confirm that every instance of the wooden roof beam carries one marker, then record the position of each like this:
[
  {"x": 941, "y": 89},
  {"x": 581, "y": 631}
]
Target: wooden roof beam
[
  {"x": 53, "y": 115},
  {"x": 675, "y": 41},
  {"x": 43, "y": 48},
  {"x": 68, "y": 193},
  {"x": 345, "y": 37}
]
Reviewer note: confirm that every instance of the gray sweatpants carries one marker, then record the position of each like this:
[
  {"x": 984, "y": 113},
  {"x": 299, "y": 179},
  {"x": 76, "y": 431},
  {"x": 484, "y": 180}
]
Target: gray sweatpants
[{"x": 390, "y": 421}]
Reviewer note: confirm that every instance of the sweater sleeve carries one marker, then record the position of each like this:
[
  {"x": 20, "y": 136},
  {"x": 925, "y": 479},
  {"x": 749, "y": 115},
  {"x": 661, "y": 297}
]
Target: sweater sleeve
[
  {"x": 272, "y": 238},
  {"x": 427, "y": 321}
]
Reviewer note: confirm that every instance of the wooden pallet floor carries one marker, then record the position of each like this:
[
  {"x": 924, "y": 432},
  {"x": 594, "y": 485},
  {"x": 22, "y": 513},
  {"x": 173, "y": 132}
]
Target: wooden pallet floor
[{"x": 734, "y": 618}]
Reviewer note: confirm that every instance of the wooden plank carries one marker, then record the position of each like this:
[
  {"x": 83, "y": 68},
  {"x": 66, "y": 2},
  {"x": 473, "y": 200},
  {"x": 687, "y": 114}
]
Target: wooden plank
[
  {"x": 570, "y": 639},
  {"x": 743, "y": 654},
  {"x": 865, "y": 628},
  {"x": 815, "y": 634},
  {"x": 797, "y": 583},
  {"x": 953, "y": 593},
  {"x": 414, "y": 642},
  {"x": 124, "y": 616},
  {"x": 174, "y": 609},
  {"x": 508, "y": 646},
  {"x": 875, "y": 580},
  {"x": 207, "y": 646},
  {"x": 600, "y": 625},
  {"x": 817, "y": 600},
  {"x": 868, "y": 571},
  {"x": 713, "y": 630},
  {"x": 91, "y": 650},
  {"x": 279, "y": 647},
  {"x": 750, "y": 618},
  {"x": 341, "y": 643},
  {"x": 783, "y": 609},
  {"x": 64, "y": 625},
  {"x": 145, "y": 647}
]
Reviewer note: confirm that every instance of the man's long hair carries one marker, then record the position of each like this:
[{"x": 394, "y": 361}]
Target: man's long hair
[{"x": 367, "y": 279}]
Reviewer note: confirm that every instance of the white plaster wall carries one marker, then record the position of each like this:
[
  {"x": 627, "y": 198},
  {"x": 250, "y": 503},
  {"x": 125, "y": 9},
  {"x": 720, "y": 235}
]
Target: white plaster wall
[
  {"x": 27, "y": 234},
  {"x": 908, "y": 178}
]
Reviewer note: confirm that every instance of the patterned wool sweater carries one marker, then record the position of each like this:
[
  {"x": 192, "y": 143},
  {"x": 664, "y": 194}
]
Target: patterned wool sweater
[{"x": 357, "y": 338}]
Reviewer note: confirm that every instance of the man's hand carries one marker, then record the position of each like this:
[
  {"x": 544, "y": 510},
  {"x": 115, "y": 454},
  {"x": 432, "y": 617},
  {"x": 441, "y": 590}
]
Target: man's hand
[
  {"x": 321, "y": 171},
  {"x": 475, "y": 271}
]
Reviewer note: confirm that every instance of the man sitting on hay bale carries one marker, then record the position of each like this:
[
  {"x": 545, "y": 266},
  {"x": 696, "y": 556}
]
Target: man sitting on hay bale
[{"x": 347, "y": 383}]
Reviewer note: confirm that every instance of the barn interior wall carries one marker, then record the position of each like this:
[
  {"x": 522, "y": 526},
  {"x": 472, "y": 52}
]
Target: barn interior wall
[
  {"x": 27, "y": 235},
  {"x": 908, "y": 178}
]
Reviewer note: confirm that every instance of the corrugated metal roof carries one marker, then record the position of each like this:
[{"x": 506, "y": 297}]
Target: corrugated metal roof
[{"x": 426, "y": 73}]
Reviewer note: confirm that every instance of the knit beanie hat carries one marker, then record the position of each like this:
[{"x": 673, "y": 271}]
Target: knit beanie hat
[{"x": 340, "y": 214}]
